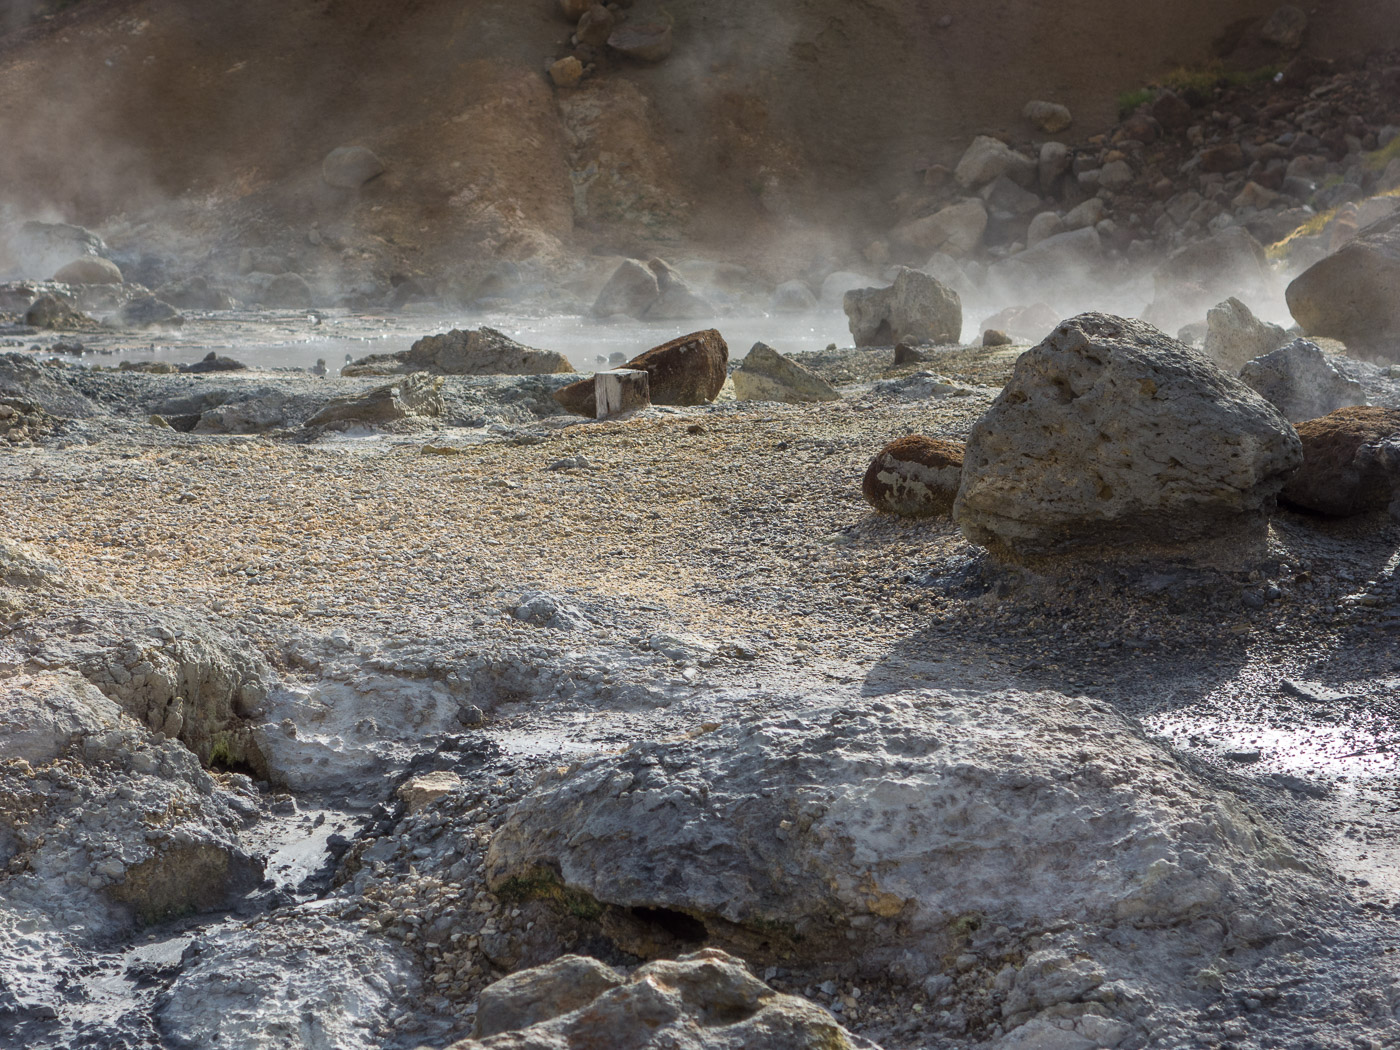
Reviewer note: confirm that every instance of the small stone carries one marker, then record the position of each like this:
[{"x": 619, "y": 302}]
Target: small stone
[
  {"x": 995, "y": 337},
  {"x": 567, "y": 72},
  {"x": 1049, "y": 117}
]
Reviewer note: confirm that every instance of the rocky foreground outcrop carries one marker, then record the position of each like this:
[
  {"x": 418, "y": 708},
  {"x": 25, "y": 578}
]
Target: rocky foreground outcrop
[
  {"x": 1111, "y": 433},
  {"x": 866, "y": 840}
]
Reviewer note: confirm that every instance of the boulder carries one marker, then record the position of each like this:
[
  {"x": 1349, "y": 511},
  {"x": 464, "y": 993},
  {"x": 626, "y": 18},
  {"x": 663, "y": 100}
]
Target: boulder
[
  {"x": 1063, "y": 256},
  {"x": 956, "y": 229},
  {"x": 479, "y": 352},
  {"x": 631, "y": 290},
  {"x": 1049, "y": 117},
  {"x": 573, "y": 10},
  {"x": 90, "y": 269},
  {"x": 676, "y": 301},
  {"x": 1109, "y": 434},
  {"x": 704, "y": 1000},
  {"x": 596, "y": 26},
  {"x": 1351, "y": 463},
  {"x": 767, "y": 375},
  {"x": 642, "y": 41},
  {"x": 423, "y": 790},
  {"x": 249, "y": 415},
  {"x": 996, "y": 337},
  {"x": 690, "y": 370},
  {"x": 1044, "y": 225},
  {"x": 914, "y": 477},
  {"x": 212, "y": 362},
  {"x": 146, "y": 311},
  {"x": 1234, "y": 336},
  {"x": 1055, "y": 159},
  {"x": 414, "y": 395},
  {"x": 1301, "y": 382},
  {"x": 53, "y": 311},
  {"x": 987, "y": 158},
  {"x": 1007, "y": 201},
  {"x": 793, "y": 297},
  {"x": 350, "y": 167},
  {"x": 1351, "y": 295},
  {"x": 916, "y": 308},
  {"x": 44, "y": 385},
  {"x": 866, "y": 834},
  {"x": 1089, "y": 213}
]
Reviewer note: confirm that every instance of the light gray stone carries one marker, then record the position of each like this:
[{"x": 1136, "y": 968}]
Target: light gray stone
[
  {"x": 956, "y": 229},
  {"x": 631, "y": 291},
  {"x": 1049, "y": 117},
  {"x": 767, "y": 375},
  {"x": 1044, "y": 225},
  {"x": 988, "y": 158},
  {"x": 1111, "y": 434},
  {"x": 1235, "y": 336},
  {"x": 1300, "y": 381},
  {"x": 916, "y": 308}
]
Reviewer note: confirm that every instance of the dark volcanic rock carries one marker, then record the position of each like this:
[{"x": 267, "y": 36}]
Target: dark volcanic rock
[
  {"x": 212, "y": 362},
  {"x": 690, "y": 370},
  {"x": 1351, "y": 463}
]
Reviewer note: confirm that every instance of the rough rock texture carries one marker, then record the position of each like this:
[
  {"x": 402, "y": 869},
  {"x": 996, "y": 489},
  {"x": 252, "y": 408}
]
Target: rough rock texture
[
  {"x": 212, "y": 362},
  {"x": 914, "y": 477},
  {"x": 916, "y": 308},
  {"x": 146, "y": 311},
  {"x": 47, "y": 386},
  {"x": 350, "y": 167},
  {"x": 302, "y": 982},
  {"x": 478, "y": 352},
  {"x": 1351, "y": 463},
  {"x": 51, "y": 311},
  {"x": 689, "y": 370},
  {"x": 705, "y": 1000},
  {"x": 866, "y": 838},
  {"x": 413, "y": 395},
  {"x": 1351, "y": 294},
  {"x": 1110, "y": 432},
  {"x": 1049, "y": 117},
  {"x": 1235, "y": 336},
  {"x": 90, "y": 269},
  {"x": 422, "y": 791},
  {"x": 767, "y": 375},
  {"x": 1301, "y": 382}
]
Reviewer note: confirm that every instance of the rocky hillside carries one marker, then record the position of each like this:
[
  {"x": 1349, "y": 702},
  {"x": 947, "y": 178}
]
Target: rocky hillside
[{"x": 197, "y": 131}]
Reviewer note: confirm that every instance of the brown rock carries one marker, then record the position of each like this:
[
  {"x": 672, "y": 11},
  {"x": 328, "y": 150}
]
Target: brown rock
[
  {"x": 995, "y": 337},
  {"x": 1171, "y": 110},
  {"x": 1223, "y": 158},
  {"x": 89, "y": 270},
  {"x": 1351, "y": 462},
  {"x": 689, "y": 370},
  {"x": 904, "y": 354},
  {"x": 646, "y": 42},
  {"x": 1351, "y": 294},
  {"x": 915, "y": 477},
  {"x": 575, "y": 9},
  {"x": 567, "y": 72}
]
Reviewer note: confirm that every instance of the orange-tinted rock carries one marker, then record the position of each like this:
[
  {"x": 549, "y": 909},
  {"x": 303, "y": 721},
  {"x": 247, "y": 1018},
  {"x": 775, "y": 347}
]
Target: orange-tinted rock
[
  {"x": 1351, "y": 462},
  {"x": 915, "y": 477},
  {"x": 686, "y": 371}
]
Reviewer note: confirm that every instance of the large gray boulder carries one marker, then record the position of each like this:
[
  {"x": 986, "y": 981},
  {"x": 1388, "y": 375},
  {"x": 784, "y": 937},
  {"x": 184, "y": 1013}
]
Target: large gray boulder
[
  {"x": 1234, "y": 336},
  {"x": 1110, "y": 433},
  {"x": 705, "y": 1000},
  {"x": 956, "y": 229},
  {"x": 988, "y": 158},
  {"x": 477, "y": 352},
  {"x": 1301, "y": 382},
  {"x": 917, "y": 308},
  {"x": 767, "y": 375},
  {"x": 864, "y": 834},
  {"x": 630, "y": 291},
  {"x": 1354, "y": 294}
]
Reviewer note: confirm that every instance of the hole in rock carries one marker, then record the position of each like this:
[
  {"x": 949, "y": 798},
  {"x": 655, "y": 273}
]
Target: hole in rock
[{"x": 677, "y": 924}]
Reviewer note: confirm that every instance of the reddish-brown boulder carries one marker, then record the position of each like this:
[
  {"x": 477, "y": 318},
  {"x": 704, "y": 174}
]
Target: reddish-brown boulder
[
  {"x": 686, "y": 371},
  {"x": 915, "y": 477},
  {"x": 1351, "y": 462}
]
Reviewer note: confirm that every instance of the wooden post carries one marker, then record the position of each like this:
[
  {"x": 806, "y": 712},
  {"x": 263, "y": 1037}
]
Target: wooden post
[{"x": 621, "y": 390}]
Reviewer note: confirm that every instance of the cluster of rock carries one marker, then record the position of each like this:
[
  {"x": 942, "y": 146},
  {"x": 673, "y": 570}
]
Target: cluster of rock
[
  {"x": 1111, "y": 434},
  {"x": 605, "y": 32}
]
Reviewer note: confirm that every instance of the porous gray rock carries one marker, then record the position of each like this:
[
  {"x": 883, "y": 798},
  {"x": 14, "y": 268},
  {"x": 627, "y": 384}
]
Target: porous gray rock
[
  {"x": 350, "y": 167},
  {"x": 766, "y": 375},
  {"x": 1351, "y": 294},
  {"x": 45, "y": 385},
  {"x": 413, "y": 395},
  {"x": 1110, "y": 434},
  {"x": 915, "y": 308},
  {"x": 631, "y": 291},
  {"x": 704, "y": 1000},
  {"x": 1234, "y": 336},
  {"x": 1301, "y": 382},
  {"x": 789, "y": 837}
]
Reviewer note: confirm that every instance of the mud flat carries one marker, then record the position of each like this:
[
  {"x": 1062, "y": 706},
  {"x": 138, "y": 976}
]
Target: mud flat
[{"x": 310, "y": 736}]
